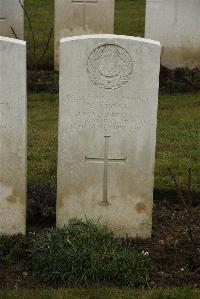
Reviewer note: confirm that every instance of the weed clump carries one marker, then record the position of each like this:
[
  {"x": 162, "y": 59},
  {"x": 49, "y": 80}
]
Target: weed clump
[{"x": 84, "y": 253}]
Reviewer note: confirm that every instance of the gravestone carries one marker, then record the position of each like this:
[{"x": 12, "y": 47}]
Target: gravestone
[
  {"x": 79, "y": 17},
  {"x": 175, "y": 24},
  {"x": 12, "y": 136},
  {"x": 12, "y": 19},
  {"x": 107, "y": 131}
]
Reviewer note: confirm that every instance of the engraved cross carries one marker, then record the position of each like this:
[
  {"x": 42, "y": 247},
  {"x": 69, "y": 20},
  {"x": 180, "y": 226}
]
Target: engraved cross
[
  {"x": 106, "y": 161},
  {"x": 84, "y": 3}
]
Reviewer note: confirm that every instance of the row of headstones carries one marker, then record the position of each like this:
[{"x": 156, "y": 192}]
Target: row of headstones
[
  {"x": 107, "y": 132},
  {"x": 175, "y": 24}
]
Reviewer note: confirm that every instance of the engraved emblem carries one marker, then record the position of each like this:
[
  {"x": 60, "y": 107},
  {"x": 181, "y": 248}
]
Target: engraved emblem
[{"x": 110, "y": 66}]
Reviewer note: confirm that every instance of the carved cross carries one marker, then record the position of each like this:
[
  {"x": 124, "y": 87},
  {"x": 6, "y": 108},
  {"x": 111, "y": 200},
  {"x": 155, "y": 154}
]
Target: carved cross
[
  {"x": 106, "y": 161},
  {"x": 84, "y": 3}
]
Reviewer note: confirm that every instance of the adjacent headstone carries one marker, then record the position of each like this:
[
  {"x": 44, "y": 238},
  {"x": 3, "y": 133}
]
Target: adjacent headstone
[
  {"x": 12, "y": 136},
  {"x": 107, "y": 131},
  {"x": 175, "y": 24},
  {"x": 78, "y": 17},
  {"x": 12, "y": 19}
]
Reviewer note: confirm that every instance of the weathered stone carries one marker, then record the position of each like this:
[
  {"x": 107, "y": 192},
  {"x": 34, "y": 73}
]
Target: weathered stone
[
  {"x": 175, "y": 24},
  {"x": 78, "y": 17},
  {"x": 12, "y": 19},
  {"x": 107, "y": 131},
  {"x": 12, "y": 136}
]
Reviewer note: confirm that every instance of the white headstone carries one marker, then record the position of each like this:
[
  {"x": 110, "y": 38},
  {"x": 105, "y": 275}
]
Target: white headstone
[
  {"x": 78, "y": 17},
  {"x": 107, "y": 131},
  {"x": 12, "y": 19},
  {"x": 175, "y": 24},
  {"x": 12, "y": 136}
]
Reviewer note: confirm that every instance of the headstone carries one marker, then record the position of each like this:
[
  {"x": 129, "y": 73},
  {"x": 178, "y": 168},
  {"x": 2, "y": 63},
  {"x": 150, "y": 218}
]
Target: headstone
[
  {"x": 78, "y": 17},
  {"x": 175, "y": 24},
  {"x": 12, "y": 19},
  {"x": 107, "y": 131},
  {"x": 12, "y": 136}
]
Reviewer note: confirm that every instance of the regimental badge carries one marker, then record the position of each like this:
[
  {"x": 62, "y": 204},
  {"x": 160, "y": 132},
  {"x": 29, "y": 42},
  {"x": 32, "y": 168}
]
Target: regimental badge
[{"x": 110, "y": 66}]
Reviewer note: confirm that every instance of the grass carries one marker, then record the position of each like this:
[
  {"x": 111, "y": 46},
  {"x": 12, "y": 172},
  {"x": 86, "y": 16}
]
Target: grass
[
  {"x": 177, "y": 138},
  {"x": 100, "y": 293},
  {"x": 129, "y": 20},
  {"x": 85, "y": 254},
  {"x": 130, "y": 17},
  {"x": 41, "y": 14},
  {"x": 42, "y": 137}
]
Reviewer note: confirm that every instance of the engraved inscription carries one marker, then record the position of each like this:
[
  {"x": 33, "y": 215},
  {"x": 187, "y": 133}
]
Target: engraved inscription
[
  {"x": 105, "y": 160},
  {"x": 99, "y": 113},
  {"x": 109, "y": 66}
]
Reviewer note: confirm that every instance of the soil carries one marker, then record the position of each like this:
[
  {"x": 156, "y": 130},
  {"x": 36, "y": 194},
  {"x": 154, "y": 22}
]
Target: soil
[
  {"x": 42, "y": 81},
  {"x": 174, "y": 247},
  {"x": 179, "y": 80}
]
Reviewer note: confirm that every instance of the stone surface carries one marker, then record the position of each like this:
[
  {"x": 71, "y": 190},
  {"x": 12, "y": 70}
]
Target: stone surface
[
  {"x": 12, "y": 136},
  {"x": 78, "y": 17},
  {"x": 11, "y": 19},
  {"x": 175, "y": 24},
  {"x": 107, "y": 131}
]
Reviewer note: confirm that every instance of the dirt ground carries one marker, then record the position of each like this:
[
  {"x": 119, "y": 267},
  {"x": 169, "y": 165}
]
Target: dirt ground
[{"x": 174, "y": 247}]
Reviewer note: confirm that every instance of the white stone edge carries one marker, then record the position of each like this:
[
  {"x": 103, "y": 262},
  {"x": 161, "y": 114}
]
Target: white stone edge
[
  {"x": 110, "y": 36},
  {"x": 12, "y": 40}
]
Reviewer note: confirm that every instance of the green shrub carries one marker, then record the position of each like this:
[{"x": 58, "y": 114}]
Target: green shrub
[{"x": 87, "y": 253}]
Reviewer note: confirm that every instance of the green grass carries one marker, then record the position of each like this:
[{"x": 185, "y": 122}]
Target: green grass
[
  {"x": 42, "y": 137},
  {"x": 177, "y": 139},
  {"x": 109, "y": 293},
  {"x": 87, "y": 253},
  {"x": 41, "y": 14},
  {"x": 178, "y": 136},
  {"x": 130, "y": 17},
  {"x": 129, "y": 20}
]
